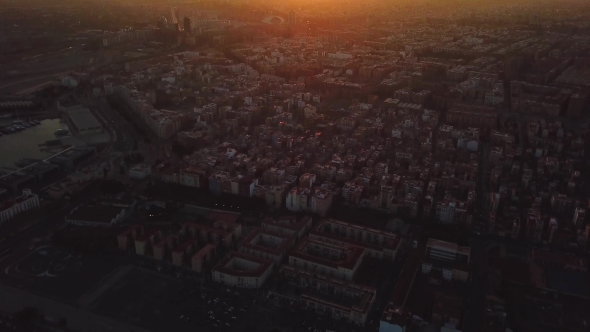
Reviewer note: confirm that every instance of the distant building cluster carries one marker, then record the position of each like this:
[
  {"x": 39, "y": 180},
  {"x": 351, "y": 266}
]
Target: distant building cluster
[{"x": 468, "y": 125}]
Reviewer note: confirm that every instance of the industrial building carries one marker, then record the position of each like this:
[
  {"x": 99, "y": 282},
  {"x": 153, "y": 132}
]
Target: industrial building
[{"x": 84, "y": 122}]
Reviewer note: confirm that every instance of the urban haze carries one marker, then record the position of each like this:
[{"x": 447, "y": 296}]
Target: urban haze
[{"x": 294, "y": 165}]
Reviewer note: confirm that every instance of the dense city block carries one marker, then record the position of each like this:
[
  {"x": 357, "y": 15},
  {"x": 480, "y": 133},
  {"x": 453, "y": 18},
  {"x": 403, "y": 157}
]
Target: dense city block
[{"x": 295, "y": 165}]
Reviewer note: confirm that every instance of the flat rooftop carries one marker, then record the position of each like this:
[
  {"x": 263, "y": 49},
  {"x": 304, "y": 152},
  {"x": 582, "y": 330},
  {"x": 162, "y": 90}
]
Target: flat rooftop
[
  {"x": 312, "y": 250},
  {"x": 84, "y": 120},
  {"x": 244, "y": 265},
  {"x": 346, "y": 295},
  {"x": 290, "y": 223},
  {"x": 325, "y": 227},
  {"x": 267, "y": 241},
  {"x": 447, "y": 246}
]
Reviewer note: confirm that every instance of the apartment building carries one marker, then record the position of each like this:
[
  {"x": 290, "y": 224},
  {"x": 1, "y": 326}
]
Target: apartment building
[
  {"x": 267, "y": 244},
  {"x": 337, "y": 260},
  {"x": 203, "y": 257},
  {"x": 336, "y": 298},
  {"x": 447, "y": 251},
  {"x": 376, "y": 243},
  {"x": 298, "y": 199},
  {"x": 192, "y": 177},
  {"x": 288, "y": 225},
  {"x": 216, "y": 180},
  {"x": 127, "y": 237},
  {"x": 140, "y": 171},
  {"x": 321, "y": 202},
  {"x": 207, "y": 234},
  {"x": 242, "y": 270}
]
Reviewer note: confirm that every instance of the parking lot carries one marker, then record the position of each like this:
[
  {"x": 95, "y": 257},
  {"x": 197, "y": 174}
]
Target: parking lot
[
  {"x": 54, "y": 272},
  {"x": 161, "y": 297},
  {"x": 204, "y": 305},
  {"x": 292, "y": 318},
  {"x": 209, "y": 306},
  {"x": 142, "y": 298}
]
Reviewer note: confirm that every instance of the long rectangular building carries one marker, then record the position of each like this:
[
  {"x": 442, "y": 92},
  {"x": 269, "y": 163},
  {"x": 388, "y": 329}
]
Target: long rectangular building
[
  {"x": 463, "y": 116},
  {"x": 330, "y": 258},
  {"x": 288, "y": 225},
  {"x": 377, "y": 243},
  {"x": 242, "y": 270},
  {"x": 447, "y": 251},
  {"x": 338, "y": 299},
  {"x": 267, "y": 244},
  {"x": 208, "y": 234}
]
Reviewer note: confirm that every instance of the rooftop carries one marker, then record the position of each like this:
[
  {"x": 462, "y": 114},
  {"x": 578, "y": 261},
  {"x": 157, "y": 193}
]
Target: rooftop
[
  {"x": 290, "y": 223},
  {"x": 236, "y": 264},
  {"x": 256, "y": 241},
  {"x": 334, "y": 255},
  {"x": 448, "y": 246},
  {"x": 84, "y": 119}
]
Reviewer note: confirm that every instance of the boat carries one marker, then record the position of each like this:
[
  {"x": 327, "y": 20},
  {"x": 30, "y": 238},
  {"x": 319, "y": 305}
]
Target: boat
[
  {"x": 8, "y": 130},
  {"x": 36, "y": 122},
  {"x": 5, "y": 116},
  {"x": 26, "y": 125},
  {"x": 32, "y": 123},
  {"x": 61, "y": 132},
  {"x": 19, "y": 127},
  {"x": 17, "y": 122}
]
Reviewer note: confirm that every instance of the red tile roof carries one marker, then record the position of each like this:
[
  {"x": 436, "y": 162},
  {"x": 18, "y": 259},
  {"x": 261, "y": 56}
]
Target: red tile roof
[
  {"x": 204, "y": 251},
  {"x": 167, "y": 240},
  {"x": 130, "y": 230},
  {"x": 184, "y": 246},
  {"x": 223, "y": 233},
  {"x": 146, "y": 235}
]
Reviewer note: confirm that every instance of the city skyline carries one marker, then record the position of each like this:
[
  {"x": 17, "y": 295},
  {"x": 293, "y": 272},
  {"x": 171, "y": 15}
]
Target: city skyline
[{"x": 282, "y": 166}]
